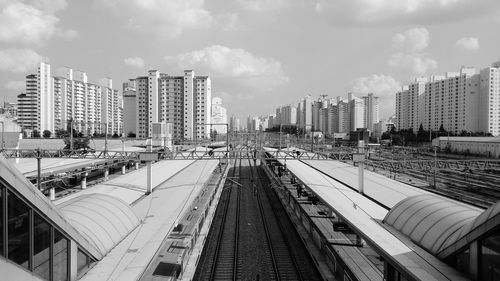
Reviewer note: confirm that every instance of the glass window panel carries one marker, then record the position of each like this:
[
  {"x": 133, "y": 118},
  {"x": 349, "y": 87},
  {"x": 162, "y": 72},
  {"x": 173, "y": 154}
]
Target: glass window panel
[
  {"x": 1, "y": 220},
  {"x": 82, "y": 262},
  {"x": 60, "y": 262},
  {"x": 462, "y": 261},
  {"x": 18, "y": 230},
  {"x": 490, "y": 257},
  {"x": 41, "y": 250}
]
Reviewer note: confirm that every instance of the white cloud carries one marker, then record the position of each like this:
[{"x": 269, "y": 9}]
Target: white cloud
[
  {"x": 369, "y": 12},
  {"x": 468, "y": 43},
  {"x": 412, "y": 40},
  {"x": 19, "y": 60},
  {"x": 15, "y": 85},
  {"x": 164, "y": 17},
  {"x": 417, "y": 63},
  {"x": 31, "y": 22},
  {"x": 382, "y": 86},
  {"x": 221, "y": 61},
  {"x": 134, "y": 61},
  {"x": 262, "y": 5},
  {"x": 228, "y": 22},
  {"x": 410, "y": 55},
  {"x": 68, "y": 34}
]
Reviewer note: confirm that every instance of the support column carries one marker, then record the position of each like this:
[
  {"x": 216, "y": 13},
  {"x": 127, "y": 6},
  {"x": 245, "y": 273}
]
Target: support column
[
  {"x": 149, "y": 187},
  {"x": 84, "y": 180},
  {"x": 52, "y": 194},
  {"x": 361, "y": 149}
]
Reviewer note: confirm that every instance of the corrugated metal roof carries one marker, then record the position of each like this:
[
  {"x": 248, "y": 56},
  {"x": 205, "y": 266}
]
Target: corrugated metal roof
[
  {"x": 104, "y": 220},
  {"x": 430, "y": 221}
]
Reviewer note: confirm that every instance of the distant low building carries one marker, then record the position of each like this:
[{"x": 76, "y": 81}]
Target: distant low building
[{"x": 481, "y": 146}]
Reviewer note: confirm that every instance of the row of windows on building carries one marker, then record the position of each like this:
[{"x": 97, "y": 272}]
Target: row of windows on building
[{"x": 31, "y": 241}]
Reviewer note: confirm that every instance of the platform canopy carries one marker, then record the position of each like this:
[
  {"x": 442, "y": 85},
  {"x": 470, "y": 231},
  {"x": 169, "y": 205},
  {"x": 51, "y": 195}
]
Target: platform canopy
[
  {"x": 102, "y": 219},
  {"x": 430, "y": 221}
]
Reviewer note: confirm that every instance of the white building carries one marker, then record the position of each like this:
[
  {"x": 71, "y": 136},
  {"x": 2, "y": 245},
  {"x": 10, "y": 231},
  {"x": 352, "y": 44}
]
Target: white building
[
  {"x": 129, "y": 105},
  {"x": 356, "y": 108},
  {"x": 371, "y": 112},
  {"x": 184, "y": 101},
  {"x": 458, "y": 101},
  {"x": 489, "y": 100},
  {"x": 409, "y": 105},
  {"x": 50, "y": 102},
  {"x": 219, "y": 116}
]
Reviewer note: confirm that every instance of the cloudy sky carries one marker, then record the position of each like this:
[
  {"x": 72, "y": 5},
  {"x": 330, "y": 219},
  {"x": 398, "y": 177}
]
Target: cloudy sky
[{"x": 259, "y": 53}]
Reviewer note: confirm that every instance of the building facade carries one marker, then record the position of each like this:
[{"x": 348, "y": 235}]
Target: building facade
[
  {"x": 184, "y": 101},
  {"x": 52, "y": 102},
  {"x": 219, "y": 116},
  {"x": 458, "y": 102}
]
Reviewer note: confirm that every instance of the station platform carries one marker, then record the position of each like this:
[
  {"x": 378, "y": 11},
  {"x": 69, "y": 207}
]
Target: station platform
[
  {"x": 50, "y": 166},
  {"x": 159, "y": 213},
  {"x": 364, "y": 215}
]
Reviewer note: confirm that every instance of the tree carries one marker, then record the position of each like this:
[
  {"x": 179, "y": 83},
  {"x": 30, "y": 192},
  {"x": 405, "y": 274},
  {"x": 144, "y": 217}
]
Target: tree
[
  {"x": 35, "y": 134},
  {"x": 115, "y": 135},
  {"x": 47, "y": 134},
  {"x": 78, "y": 143},
  {"x": 61, "y": 133}
]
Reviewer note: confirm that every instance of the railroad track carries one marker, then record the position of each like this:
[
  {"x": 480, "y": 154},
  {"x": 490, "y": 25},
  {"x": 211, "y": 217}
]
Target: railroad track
[
  {"x": 249, "y": 239},
  {"x": 284, "y": 263},
  {"x": 226, "y": 252}
]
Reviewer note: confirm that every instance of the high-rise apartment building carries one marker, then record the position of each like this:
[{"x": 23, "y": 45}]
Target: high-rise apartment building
[
  {"x": 304, "y": 114},
  {"x": 371, "y": 112},
  {"x": 489, "y": 100},
  {"x": 458, "y": 102},
  {"x": 184, "y": 101},
  {"x": 129, "y": 105},
  {"x": 234, "y": 124},
  {"x": 219, "y": 116},
  {"x": 50, "y": 102},
  {"x": 28, "y": 113},
  {"x": 356, "y": 109},
  {"x": 409, "y": 105}
]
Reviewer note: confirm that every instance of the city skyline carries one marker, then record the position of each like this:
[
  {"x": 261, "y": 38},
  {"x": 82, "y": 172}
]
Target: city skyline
[{"x": 256, "y": 52}]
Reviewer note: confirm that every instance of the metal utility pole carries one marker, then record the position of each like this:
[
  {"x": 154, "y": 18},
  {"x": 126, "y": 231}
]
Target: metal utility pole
[
  {"x": 312, "y": 141},
  {"x": 280, "y": 139},
  {"x": 106, "y": 138},
  {"x": 435, "y": 165},
  {"x": 3, "y": 130},
  {"x": 361, "y": 151},
  {"x": 39, "y": 168},
  {"x": 71, "y": 134}
]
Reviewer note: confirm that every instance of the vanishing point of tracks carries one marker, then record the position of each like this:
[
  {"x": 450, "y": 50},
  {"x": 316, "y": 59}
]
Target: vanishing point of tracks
[{"x": 251, "y": 237}]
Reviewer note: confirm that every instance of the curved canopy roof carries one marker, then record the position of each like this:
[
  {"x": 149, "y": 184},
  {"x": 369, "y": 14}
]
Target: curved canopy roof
[
  {"x": 431, "y": 221},
  {"x": 102, "y": 219}
]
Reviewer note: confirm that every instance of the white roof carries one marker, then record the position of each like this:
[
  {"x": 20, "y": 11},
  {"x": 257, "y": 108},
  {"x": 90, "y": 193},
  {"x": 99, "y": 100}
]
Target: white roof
[
  {"x": 382, "y": 189},
  {"x": 431, "y": 221},
  {"x": 364, "y": 215},
  {"x": 102, "y": 219}
]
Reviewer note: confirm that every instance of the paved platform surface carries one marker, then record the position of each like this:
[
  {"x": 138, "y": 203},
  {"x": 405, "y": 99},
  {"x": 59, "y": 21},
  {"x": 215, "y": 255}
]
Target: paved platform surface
[
  {"x": 28, "y": 166},
  {"x": 159, "y": 213},
  {"x": 375, "y": 186},
  {"x": 130, "y": 187}
]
